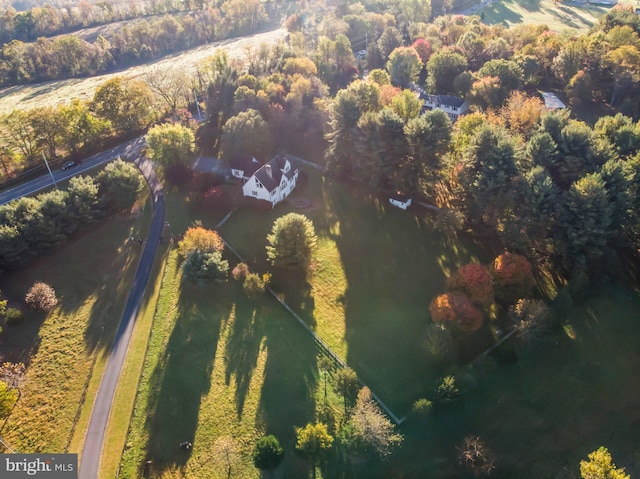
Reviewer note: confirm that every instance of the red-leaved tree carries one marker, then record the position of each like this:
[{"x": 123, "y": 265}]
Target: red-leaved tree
[
  {"x": 475, "y": 281},
  {"x": 513, "y": 277},
  {"x": 456, "y": 309},
  {"x": 423, "y": 47}
]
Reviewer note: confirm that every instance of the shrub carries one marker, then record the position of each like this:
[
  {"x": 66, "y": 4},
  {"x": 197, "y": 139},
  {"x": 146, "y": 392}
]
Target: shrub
[
  {"x": 447, "y": 391},
  {"x": 41, "y": 297},
  {"x": 531, "y": 318},
  {"x": 421, "y": 409},
  {"x": 205, "y": 268},
  {"x": 202, "y": 239},
  {"x": 513, "y": 276},
  {"x": 474, "y": 280},
  {"x": 476, "y": 457},
  {"x": 268, "y": 453},
  {"x": 438, "y": 343},
  {"x": 455, "y": 308},
  {"x": 240, "y": 271},
  {"x": 8, "y": 398},
  {"x": 254, "y": 285},
  {"x": 14, "y": 316}
]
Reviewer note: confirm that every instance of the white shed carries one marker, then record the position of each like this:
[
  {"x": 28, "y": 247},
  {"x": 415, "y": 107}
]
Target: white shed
[{"x": 400, "y": 201}]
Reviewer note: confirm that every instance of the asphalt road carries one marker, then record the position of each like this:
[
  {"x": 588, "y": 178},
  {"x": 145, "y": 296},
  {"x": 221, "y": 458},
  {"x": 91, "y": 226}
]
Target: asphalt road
[
  {"x": 94, "y": 439},
  {"x": 130, "y": 149}
]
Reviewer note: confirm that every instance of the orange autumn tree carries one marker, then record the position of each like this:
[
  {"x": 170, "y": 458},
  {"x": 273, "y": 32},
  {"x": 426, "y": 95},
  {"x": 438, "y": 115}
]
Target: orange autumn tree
[
  {"x": 513, "y": 277},
  {"x": 202, "y": 239},
  {"x": 456, "y": 309},
  {"x": 475, "y": 281}
]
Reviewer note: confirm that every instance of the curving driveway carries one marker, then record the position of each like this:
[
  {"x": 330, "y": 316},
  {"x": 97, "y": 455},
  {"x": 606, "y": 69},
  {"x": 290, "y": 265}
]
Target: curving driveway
[{"x": 94, "y": 439}]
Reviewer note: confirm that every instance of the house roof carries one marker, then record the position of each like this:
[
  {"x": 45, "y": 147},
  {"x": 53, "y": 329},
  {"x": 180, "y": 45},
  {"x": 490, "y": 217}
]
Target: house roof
[
  {"x": 551, "y": 101},
  {"x": 399, "y": 197},
  {"x": 446, "y": 100},
  {"x": 245, "y": 163},
  {"x": 271, "y": 173}
]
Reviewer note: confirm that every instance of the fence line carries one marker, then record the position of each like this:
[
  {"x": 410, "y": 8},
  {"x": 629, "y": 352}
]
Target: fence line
[
  {"x": 84, "y": 392},
  {"x": 320, "y": 342}
]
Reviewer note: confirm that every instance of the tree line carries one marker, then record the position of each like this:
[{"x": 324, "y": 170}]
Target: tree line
[
  {"x": 34, "y": 226},
  {"x": 71, "y": 56}
]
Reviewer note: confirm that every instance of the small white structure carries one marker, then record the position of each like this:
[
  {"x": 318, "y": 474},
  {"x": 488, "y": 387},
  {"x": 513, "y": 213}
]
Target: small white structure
[
  {"x": 400, "y": 201},
  {"x": 272, "y": 182},
  {"x": 243, "y": 166},
  {"x": 452, "y": 105},
  {"x": 551, "y": 101}
]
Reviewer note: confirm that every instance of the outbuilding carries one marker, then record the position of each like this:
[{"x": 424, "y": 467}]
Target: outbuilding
[{"x": 400, "y": 201}]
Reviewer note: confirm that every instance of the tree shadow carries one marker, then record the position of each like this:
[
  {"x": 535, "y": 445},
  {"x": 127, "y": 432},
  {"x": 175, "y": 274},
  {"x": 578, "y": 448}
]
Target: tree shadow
[
  {"x": 290, "y": 377},
  {"x": 395, "y": 262},
  {"x": 183, "y": 373},
  {"x": 294, "y": 289},
  {"x": 244, "y": 345}
]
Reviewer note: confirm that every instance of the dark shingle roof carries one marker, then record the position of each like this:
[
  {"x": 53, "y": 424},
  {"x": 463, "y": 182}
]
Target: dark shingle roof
[
  {"x": 245, "y": 163},
  {"x": 270, "y": 174},
  {"x": 448, "y": 100},
  {"x": 206, "y": 164}
]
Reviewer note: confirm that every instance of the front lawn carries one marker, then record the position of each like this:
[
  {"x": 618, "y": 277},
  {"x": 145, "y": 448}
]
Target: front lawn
[{"x": 374, "y": 274}]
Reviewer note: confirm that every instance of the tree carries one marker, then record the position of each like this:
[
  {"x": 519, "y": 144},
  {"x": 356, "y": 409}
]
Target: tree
[
  {"x": 379, "y": 76},
  {"x": 442, "y": 68},
  {"x": 127, "y": 105},
  {"x": 201, "y": 239},
  {"x": 474, "y": 280},
  {"x": 83, "y": 204},
  {"x": 371, "y": 429},
  {"x": 292, "y": 241},
  {"x": 423, "y": 48},
  {"x": 455, "y": 308},
  {"x": 8, "y": 398},
  {"x": 313, "y": 441},
  {"x": 226, "y": 452},
  {"x": 390, "y": 39},
  {"x": 513, "y": 276},
  {"x": 205, "y": 268},
  {"x": 12, "y": 374},
  {"x": 267, "y": 454},
  {"x": 119, "y": 184},
  {"x": 599, "y": 466},
  {"x": 476, "y": 456},
  {"x": 254, "y": 285},
  {"x": 247, "y": 133},
  {"x": 170, "y": 144},
  {"x": 41, "y": 297},
  {"x": 403, "y": 66},
  {"x": 344, "y": 114},
  {"x": 346, "y": 383}
]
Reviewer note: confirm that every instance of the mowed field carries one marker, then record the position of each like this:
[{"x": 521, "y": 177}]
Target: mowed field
[
  {"x": 558, "y": 16},
  {"x": 64, "y": 91},
  {"x": 92, "y": 275}
]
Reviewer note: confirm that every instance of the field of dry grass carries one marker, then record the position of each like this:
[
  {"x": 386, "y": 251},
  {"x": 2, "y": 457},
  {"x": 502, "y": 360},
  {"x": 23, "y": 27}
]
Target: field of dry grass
[{"x": 25, "y": 97}]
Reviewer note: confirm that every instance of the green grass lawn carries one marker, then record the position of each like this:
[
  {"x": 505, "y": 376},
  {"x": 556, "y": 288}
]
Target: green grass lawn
[
  {"x": 374, "y": 274},
  {"x": 557, "y": 17},
  {"x": 543, "y": 414},
  {"x": 92, "y": 275},
  {"x": 219, "y": 365}
]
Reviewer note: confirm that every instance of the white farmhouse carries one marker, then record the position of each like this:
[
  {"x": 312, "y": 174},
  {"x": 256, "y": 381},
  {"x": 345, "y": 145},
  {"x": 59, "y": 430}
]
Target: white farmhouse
[
  {"x": 451, "y": 105},
  {"x": 272, "y": 182}
]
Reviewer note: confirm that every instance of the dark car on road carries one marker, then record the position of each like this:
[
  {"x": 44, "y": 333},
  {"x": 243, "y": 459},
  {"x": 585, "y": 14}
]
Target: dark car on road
[{"x": 70, "y": 164}]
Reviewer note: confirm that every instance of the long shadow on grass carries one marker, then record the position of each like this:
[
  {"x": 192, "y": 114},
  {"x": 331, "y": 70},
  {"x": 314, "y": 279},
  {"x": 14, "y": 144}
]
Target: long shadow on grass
[
  {"x": 243, "y": 345},
  {"x": 183, "y": 374},
  {"x": 393, "y": 262},
  {"x": 290, "y": 376}
]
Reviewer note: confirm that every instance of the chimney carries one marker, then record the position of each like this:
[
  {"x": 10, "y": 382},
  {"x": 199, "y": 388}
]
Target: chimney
[{"x": 268, "y": 169}]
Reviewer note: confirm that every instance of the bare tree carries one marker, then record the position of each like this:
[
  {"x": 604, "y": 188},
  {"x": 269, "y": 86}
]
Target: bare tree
[
  {"x": 170, "y": 85},
  {"x": 475, "y": 455},
  {"x": 226, "y": 451}
]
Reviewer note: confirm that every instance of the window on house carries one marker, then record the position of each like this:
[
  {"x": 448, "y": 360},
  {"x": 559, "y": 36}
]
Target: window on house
[
  {"x": 259, "y": 184},
  {"x": 254, "y": 193}
]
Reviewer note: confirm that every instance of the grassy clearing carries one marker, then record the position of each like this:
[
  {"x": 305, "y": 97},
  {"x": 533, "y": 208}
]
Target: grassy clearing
[
  {"x": 544, "y": 413},
  {"x": 558, "y": 16},
  {"x": 375, "y": 272},
  {"x": 92, "y": 275},
  {"x": 219, "y": 365},
  {"x": 64, "y": 91}
]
